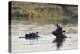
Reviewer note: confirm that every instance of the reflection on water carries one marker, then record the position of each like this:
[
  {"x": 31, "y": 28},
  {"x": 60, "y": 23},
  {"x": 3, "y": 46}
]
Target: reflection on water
[
  {"x": 45, "y": 41},
  {"x": 59, "y": 42}
]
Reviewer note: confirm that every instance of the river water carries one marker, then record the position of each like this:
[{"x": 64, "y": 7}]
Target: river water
[{"x": 44, "y": 43}]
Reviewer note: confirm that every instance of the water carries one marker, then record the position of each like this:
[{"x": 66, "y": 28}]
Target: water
[{"x": 45, "y": 41}]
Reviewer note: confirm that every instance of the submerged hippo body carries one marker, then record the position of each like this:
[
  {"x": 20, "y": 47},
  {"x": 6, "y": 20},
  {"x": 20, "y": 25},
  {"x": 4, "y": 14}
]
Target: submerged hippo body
[{"x": 31, "y": 36}]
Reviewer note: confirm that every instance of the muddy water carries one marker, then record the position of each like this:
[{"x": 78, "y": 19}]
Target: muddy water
[{"x": 45, "y": 41}]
